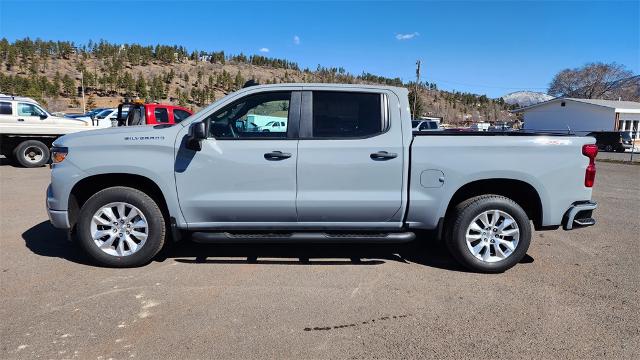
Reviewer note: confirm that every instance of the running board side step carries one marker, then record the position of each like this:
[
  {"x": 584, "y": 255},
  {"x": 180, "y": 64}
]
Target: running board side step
[{"x": 302, "y": 237}]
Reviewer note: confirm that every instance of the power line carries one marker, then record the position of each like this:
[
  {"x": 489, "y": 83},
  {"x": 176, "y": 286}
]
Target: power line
[{"x": 489, "y": 86}]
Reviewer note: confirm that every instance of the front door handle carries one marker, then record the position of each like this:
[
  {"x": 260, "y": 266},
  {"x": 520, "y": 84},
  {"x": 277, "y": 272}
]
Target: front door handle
[
  {"x": 383, "y": 155},
  {"x": 20, "y": 119},
  {"x": 276, "y": 155}
]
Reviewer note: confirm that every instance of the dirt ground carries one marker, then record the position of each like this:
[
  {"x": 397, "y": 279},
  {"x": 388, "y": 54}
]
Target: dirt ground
[{"x": 575, "y": 295}]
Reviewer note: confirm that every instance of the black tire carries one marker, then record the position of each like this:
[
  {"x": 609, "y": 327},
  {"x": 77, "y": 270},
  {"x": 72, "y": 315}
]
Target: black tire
[
  {"x": 156, "y": 226},
  {"x": 608, "y": 148},
  {"x": 31, "y": 153},
  {"x": 466, "y": 212}
]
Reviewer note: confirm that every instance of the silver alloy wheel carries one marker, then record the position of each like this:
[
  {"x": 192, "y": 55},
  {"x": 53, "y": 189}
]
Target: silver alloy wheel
[
  {"x": 33, "y": 154},
  {"x": 492, "y": 236},
  {"x": 119, "y": 229}
]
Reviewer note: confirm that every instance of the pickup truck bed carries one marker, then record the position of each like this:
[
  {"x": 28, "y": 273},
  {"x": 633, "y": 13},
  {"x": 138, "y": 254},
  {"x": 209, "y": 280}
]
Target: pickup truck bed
[{"x": 347, "y": 168}]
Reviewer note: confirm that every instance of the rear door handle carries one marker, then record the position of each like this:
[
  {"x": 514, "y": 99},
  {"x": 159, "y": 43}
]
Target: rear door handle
[
  {"x": 383, "y": 155},
  {"x": 276, "y": 155},
  {"x": 20, "y": 119}
]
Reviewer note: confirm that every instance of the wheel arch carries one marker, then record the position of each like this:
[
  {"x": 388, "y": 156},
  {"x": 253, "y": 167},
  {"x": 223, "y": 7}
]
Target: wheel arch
[
  {"x": 88, "y": 186},
  {"x": 523, "y": 193}
]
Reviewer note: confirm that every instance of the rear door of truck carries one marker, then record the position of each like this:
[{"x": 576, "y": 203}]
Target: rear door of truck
[{"x": 350, "y": 158}]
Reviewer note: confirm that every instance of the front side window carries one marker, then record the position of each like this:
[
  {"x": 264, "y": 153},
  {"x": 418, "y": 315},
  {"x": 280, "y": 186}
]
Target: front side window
[
  {"x": 252, "y": 117},
  {"x": 346, "y": 114},
  {"x": 25, "y": 109},
  {"x": 162, "y": 115},
  {"x": 179, "y": 115},
  {"x": 5, "y": 108}
]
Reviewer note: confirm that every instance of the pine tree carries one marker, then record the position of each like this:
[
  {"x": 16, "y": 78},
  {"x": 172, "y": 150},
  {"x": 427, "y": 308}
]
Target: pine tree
[
  {"x": 69, "y": 85},
  {"x": 239, "y": 80},
  {"x": 141, "y": 87}
]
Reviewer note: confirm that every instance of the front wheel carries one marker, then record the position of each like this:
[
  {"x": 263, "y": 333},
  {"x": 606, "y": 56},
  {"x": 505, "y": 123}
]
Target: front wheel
[
  {"x": 121, "y": 227},
  {"x": 488, "y": 233}
]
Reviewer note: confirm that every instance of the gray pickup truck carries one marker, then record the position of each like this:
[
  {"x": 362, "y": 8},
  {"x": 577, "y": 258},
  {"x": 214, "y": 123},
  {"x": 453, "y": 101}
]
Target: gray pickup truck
[{"x": 342, "y": 165}]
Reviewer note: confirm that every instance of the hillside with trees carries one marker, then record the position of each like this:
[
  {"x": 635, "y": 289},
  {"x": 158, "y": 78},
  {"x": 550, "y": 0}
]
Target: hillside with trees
[{"x": 53, "y": 71}]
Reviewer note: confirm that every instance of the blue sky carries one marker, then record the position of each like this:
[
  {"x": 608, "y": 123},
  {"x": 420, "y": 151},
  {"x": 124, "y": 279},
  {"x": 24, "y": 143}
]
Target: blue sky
[{"x": 481, "y": 46}]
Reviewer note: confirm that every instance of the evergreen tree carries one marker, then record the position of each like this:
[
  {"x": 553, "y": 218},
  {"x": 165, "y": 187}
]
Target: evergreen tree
[
  {"x": 141, "y": 87},
  {"x": 69, "y": 85}
]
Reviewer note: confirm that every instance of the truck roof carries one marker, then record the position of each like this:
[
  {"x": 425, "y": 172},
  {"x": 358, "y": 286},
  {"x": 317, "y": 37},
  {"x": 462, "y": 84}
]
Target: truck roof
[{"x": 329, "y": 85}]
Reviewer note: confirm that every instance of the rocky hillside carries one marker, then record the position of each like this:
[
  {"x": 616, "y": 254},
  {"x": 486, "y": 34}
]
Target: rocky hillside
[
  {"x": 53, "y": 72},
  {"x": 525, "y": 98}
]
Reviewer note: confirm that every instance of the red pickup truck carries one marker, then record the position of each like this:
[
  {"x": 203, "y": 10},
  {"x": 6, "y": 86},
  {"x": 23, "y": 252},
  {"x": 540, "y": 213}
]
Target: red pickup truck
[{"x": 140, "y": 113}]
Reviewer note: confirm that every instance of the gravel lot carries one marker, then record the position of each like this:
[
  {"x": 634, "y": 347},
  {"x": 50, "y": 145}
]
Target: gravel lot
[
  {"x": 575, "y": 295},
  {"x": 626, "y": 156}
]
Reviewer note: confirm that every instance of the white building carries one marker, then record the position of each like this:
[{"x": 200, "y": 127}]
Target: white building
[{"x": 582, "y": 116}]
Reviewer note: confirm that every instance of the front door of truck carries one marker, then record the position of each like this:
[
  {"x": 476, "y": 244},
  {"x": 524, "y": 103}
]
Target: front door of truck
[
  {"x": 242, "y": 176},
  {"x": 350, "y": 159}
]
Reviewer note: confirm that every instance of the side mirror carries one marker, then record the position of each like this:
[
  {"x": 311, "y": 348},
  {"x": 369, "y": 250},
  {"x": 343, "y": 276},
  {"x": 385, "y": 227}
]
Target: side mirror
[
  {"x": 197, "y": 133},
  {"x": 43, "y": 116}
]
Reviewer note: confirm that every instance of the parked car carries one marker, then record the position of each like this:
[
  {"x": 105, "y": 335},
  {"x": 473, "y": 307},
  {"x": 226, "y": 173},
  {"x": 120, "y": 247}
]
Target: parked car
[
  {"x": 27, "y": 130},
  {"x": 481, "y": 126},
  {"x": 425, "y": 125},
  {"x": 276, "y": 126},
  {"x": 612, "y": 140},
  {"x": 87, "y": 116},
  {"x": 348, "y": 169},
  {"x": 139, "y": 113},
  {"x": 103, "y": 118}
]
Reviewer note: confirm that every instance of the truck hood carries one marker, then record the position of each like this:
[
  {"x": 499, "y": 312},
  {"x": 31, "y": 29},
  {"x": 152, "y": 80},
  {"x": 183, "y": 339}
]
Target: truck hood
[
  {"x": 122, "y": 135},
  {"x": 63, "y": 121}
]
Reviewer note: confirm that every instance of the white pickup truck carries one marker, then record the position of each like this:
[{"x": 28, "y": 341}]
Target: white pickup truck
[
  {"x": 27, "y": 130},
  {"x": 347, "y": 167}
]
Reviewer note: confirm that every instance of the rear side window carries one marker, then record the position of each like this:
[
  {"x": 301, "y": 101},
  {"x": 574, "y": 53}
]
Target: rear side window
[
  {"x": 162, "y": 115},
  {"x": 346, "y": 114},
  {"x": 5, "y": 108},
  {"x": 179, "y": 115}
]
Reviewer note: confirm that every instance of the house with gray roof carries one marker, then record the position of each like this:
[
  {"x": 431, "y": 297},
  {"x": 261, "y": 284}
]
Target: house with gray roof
[{"x": 583, "y": 116}]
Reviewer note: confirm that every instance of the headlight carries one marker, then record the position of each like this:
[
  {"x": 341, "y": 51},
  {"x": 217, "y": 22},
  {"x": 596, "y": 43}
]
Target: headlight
[{"x": 58, "y": 154}]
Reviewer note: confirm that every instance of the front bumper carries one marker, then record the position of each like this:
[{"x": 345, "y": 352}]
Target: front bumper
[
  {"x": 580, "y": 214},
  {"x": 58, "y": 218}
]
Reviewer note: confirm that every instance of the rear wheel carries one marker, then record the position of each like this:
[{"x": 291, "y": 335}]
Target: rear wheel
[
  {"x": 488, "y": 233},
  {"x": 121, "y": 227},
  {"x": 608, "y": 148},
  {"x": 31, "y": 153}
]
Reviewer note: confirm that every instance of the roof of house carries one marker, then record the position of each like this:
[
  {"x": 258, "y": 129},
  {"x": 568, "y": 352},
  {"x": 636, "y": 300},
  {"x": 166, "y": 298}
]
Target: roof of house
[{"x": 619, "y": 106}]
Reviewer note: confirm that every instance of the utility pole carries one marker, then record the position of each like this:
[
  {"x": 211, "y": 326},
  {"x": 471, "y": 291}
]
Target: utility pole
[
  {"x": 84, "y": 109},
  {"x": 415, "y": 92}
]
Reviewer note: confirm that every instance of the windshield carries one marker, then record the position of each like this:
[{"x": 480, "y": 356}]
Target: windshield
[
  {"x": 626, "y": 136},
  {"x": 104, "y": 113}
]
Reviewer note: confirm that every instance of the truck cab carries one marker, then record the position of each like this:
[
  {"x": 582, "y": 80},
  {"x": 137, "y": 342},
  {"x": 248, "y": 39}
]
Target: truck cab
[{"x": 140, "y": 113}]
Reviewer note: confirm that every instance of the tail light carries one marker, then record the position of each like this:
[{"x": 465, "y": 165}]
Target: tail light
[{"x": 590, "y": 151}]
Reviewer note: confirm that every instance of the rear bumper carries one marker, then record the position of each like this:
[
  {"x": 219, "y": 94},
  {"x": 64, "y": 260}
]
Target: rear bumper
[{"x": 580, "y": 214}]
